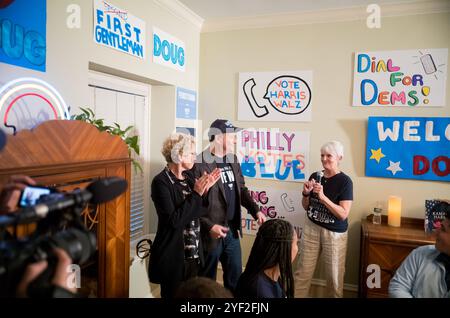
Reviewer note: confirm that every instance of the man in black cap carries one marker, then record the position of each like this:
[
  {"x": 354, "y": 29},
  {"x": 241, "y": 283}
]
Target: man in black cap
[{"x": 221, "y": 228}]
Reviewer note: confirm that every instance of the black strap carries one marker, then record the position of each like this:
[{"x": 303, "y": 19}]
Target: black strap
[{"x": 144, "y": 248}]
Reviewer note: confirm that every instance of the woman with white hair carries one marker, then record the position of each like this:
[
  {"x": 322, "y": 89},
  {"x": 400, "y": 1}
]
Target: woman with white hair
[
  {"x": 177, "y": 254},
  {"x": 327, "y": 198}
]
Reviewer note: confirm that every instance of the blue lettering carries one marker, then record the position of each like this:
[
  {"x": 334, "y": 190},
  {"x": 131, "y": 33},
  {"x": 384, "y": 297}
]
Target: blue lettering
[
  {"x": 137, "y": 32},
  {"x": 117, "y": 26},
  {"x": 278, "y": 170},
  {"x": 169, "y": 51},
  {"x": 363, "y": 92},
  {"x": 166, "y": 55},
  {"x": 262, "y": 166},
  {"x": 181, "y": 56},
  {"x": 173, "y": 55},
  {"x": 297, "y": 171},
  {"x": 12, "y": 40},
  {"x": 34, "y": 48},
  {"x": 98, "y": 34},
  {"x": 99, "y": 16},
  {"x": 360, "y": 60},
  {"x": 16, "y": 43},
  {"x": 248, "y": 167},
  {"x": 156, "y": 45},
  {"x": 108, "y": 21},
  {"x": 127, "y": 30}
]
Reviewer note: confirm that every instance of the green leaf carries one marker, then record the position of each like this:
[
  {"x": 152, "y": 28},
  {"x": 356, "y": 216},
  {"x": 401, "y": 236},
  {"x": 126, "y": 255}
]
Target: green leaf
[{"x": 115, "y": 130}]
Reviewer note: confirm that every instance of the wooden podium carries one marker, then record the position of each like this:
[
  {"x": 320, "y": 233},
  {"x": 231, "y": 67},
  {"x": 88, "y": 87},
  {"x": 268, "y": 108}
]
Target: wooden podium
[{"x": 71, "y": 154}]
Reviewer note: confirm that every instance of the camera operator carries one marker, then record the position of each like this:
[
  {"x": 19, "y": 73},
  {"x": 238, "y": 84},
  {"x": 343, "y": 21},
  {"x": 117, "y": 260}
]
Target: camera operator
[
  {"x": 10, "y": 194},
  {"x": 9, "y": 199}
]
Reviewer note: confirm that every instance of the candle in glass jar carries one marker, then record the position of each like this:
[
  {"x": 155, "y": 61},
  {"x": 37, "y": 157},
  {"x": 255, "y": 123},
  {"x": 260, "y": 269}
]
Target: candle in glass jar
[{"x": 394, "y": 211}]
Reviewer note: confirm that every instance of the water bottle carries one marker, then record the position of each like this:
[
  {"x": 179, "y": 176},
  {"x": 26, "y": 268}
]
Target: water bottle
[{"x": 377, "y": 210}]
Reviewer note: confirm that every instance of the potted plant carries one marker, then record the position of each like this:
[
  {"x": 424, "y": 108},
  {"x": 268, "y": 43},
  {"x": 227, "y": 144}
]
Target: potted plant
[{"x": 132, "y": 141}]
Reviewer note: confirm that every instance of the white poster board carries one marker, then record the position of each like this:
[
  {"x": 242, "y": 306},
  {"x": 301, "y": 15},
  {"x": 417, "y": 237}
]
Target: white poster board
[
  {"x": 272, "y": 154},
  {"x": 275, "y": 96},
  {"x": 409, "y": 78},
  {"x": 276, "y": 204},
  {"x": 118, "y": 29},
  {"x": 168, "y": 50}
]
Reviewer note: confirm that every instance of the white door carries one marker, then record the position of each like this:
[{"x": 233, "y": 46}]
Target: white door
[{"x": 126, "y": 103}]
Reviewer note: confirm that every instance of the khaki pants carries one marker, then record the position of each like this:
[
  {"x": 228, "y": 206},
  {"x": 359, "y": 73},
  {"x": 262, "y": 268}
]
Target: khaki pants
[{"x": 317, "y": 240}]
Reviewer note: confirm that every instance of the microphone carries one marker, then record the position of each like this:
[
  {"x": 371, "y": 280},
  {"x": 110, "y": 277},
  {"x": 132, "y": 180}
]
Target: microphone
[
  {"x": 319, "y": 176},
  {"x": 100, "y": 191},
  {"x": 2, "y": 139}
]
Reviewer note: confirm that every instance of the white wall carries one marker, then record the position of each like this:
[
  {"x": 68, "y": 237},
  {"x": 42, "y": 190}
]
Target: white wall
[
  {"x": 327, "y": 50},
  {"x": 71, "y": 52}
]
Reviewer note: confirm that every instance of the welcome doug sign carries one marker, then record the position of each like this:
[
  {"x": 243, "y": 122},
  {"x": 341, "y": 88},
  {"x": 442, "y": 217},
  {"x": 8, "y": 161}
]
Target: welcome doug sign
[{"x": 409, "y": 148}]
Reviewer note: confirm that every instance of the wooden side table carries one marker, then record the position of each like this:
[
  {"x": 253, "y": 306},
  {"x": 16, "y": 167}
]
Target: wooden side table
[{"x": 387, "y": 247}]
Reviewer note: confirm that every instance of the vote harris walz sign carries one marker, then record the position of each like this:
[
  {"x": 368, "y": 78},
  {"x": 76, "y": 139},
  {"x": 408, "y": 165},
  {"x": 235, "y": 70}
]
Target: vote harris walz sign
[{"x": 408, "y": 148}]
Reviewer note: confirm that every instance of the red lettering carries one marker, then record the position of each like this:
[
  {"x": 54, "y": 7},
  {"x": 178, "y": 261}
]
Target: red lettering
[
  {"x": 435, "y": 166},
  {"x": 417, "y": 160}
]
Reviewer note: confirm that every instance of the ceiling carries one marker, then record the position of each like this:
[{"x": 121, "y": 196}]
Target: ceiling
[{"x": 210, "y": 10}]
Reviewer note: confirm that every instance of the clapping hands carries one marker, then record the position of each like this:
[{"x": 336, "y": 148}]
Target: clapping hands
[{"x": 206, "y": 181}]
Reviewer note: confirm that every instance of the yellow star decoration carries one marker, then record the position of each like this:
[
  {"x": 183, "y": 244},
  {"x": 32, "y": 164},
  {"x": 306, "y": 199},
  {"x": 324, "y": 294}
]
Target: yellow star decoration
[{"x": 377, "y": 154}]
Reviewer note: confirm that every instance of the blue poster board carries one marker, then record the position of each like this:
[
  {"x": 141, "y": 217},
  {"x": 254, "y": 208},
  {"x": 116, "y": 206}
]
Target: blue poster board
[
  {"x": 186, "y": 103},
  {"x": 23, "y": 34},
  {"x": 408, "y": 148}
]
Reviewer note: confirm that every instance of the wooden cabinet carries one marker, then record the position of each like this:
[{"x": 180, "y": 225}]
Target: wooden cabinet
[
  {"x": 387, "y": 247},
  {"x": 71, "y": 154}
]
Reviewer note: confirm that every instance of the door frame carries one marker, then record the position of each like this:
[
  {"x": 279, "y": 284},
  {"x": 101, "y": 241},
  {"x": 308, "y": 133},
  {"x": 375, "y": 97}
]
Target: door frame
[{"x": 107, "y": 81}]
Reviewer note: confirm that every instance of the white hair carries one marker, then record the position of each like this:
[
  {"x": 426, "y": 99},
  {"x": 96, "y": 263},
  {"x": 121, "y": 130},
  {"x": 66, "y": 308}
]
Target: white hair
[{"x": 334, "y": 147}]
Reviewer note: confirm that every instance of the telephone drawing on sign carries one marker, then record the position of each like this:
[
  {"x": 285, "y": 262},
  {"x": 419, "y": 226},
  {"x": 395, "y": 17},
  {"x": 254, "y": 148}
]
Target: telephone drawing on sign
[
  {"x": 259, "y": 111},
  {"x": 287, "y": 203}
]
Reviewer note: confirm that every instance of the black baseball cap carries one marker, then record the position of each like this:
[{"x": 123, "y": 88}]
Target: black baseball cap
[{"x": 222, "y": 126}]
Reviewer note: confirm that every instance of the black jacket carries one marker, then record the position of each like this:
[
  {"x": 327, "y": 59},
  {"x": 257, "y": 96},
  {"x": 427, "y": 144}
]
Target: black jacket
[
  {"x": 174, "y": 213},
  {"x": 217, "y": 208}
]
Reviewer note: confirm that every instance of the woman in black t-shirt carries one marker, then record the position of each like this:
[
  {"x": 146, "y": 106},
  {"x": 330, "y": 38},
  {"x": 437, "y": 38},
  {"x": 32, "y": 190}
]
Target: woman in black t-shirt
[
  {"x": 327, "y": 199},
  {"x": 268, "y": 273}
]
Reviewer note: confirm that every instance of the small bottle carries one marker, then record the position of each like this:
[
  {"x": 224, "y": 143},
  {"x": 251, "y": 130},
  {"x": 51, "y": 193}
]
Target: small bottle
[{"x": 377, "y": 210}]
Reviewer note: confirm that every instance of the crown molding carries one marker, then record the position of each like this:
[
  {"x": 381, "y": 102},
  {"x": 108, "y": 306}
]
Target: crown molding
[
  {"x": 182, "y": 12},
  {"x": 324, "y": 16}
]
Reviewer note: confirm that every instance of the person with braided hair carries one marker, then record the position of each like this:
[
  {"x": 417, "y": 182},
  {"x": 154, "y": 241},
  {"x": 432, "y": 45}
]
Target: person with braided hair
[{"x": 268, "y": 273}]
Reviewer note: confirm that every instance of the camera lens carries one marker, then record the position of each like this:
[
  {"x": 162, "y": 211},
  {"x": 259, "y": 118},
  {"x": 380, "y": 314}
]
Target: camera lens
[{"x": 80, "y": 245}]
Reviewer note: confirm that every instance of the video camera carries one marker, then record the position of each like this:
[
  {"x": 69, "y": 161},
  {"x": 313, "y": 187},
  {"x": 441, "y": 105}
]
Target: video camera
[{"x": 59, "y": 224}]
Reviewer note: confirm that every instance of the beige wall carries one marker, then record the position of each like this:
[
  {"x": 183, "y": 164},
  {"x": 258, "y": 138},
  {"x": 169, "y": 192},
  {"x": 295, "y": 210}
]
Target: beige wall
[
  {"x": 327, "y": 50},
  {"x": 72, "y": 52},
  {"x": 69, "y": 51}
]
